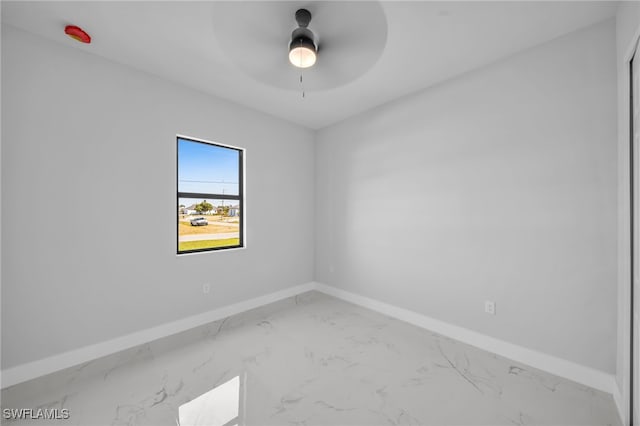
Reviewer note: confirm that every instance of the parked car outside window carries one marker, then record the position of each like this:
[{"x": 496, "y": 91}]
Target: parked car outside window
[{"x": 199, "y": 221}]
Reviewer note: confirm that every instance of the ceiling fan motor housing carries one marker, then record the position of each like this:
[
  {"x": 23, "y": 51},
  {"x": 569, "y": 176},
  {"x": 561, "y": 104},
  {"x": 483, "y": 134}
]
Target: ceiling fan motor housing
[
  {"x": 303, "y": 17},
  {"x": 303, "y": 37}
]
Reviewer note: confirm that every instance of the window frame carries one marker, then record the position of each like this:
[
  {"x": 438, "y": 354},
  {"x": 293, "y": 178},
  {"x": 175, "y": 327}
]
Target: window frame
[{"x": 211, "y": 196}]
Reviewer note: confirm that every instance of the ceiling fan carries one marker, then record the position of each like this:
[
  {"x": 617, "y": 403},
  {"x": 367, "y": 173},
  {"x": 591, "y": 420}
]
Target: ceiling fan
[
  {"x": 303, "y": 48},
  {"x": 333, "y": 43}
]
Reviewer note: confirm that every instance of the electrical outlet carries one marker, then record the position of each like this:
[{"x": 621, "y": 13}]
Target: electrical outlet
[
  {"x": 206, "y": 288},
  {"x": 490, "y": 307}
]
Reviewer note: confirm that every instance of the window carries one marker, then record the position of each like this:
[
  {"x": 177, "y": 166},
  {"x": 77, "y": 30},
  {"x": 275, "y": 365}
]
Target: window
[{"x": 210, "y": 196}]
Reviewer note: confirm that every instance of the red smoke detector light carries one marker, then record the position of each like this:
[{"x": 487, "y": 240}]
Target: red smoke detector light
[{"x": 77, "y": 33}]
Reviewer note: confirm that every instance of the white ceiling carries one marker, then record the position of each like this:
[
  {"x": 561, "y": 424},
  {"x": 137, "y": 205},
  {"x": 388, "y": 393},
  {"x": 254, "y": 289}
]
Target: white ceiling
[{"x": 426, "y": 43}]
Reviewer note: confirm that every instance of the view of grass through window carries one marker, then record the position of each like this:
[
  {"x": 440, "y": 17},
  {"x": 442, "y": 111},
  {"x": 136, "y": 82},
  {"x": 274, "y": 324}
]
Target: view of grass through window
[{"x": 209, "y": 196}]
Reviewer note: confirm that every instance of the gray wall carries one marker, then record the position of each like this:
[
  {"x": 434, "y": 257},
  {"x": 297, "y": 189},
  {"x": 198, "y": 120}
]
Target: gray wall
[
  {"x": 628, "y": 30},
  {"x": 497, "y": 185},
  {"x": 88, "y": 196}
]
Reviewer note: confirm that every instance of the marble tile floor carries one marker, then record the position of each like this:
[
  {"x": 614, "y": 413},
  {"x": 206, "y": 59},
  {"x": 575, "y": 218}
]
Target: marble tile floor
[{"x": 309, "y": 360}]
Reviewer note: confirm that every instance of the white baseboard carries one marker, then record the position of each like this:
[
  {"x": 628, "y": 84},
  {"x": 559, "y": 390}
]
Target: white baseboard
[
  {"x": 560, "y": 367},
  {"x": 617, "y": 398},
  {"x": 23, "y": 372}
]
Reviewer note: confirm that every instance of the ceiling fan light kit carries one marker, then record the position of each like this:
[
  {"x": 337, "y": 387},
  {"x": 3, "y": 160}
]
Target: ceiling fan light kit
[{"x": 302, "y": 48}]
